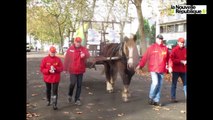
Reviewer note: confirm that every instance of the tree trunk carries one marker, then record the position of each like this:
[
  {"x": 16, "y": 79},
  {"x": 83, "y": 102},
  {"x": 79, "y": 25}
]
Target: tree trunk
[
  {"x": 122, "y": 25},
  {"x": 61, "y": 38},
  {"x": 143, "y": 45}
]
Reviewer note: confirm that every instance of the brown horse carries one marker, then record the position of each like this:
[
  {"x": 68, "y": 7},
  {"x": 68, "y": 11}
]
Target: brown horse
[{"x": 123, "y": 58}]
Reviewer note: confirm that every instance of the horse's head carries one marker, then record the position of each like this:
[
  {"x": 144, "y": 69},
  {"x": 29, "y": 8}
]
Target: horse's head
[{"x": 131, "y": 51}]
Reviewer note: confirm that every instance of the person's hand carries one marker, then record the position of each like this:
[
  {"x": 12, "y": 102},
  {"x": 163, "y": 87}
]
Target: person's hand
[
  {"x": 82, "y": 55},
  {"x": 52, "y": 68},
  {"x": 137, "y": 69},
  {"x": 183, "y": 62},
  {"x": 52, "y": 71},
  {"x": 170, "y": 69}
]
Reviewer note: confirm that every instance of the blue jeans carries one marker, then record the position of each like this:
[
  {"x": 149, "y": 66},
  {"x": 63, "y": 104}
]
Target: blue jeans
[
  {"x": 156, "y": 85},
  {"x": 73, "y": 79},
  {"x": 175, "y": 76}
]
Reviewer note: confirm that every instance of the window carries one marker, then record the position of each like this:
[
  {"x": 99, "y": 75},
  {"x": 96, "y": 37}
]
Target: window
[
  {"x": 184, "y": 27},
  {"x": 176, "y": 28},
  {"x": 170, "y": 28},
  {"x": 179, "y": 28},
  {"x": 162, "y": 29}
]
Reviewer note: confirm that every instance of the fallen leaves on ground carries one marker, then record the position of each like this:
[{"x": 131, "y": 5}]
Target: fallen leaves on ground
[
  {"x": 90, "y": 104},
  {"x": 79, "y": 112},
  {"x": 156, "y": 109},
  {"x": 28, "y": 104},
  {"x": 31, "y": 105},
  {"x": 89, "y": 107},
  {"x": 66, "y": 112},
  {"x": 120, "y": 114},
  {"x": 182, "y": 111},
  {"x": 165, "y": 108},
  {"x": 34, "y": 94},
  {"x": 30, "y": 115},
  {"x": 111, "y": 109},
  {"x": 142, "y": 73},
  {"x": 167, "y": 76},
  {"x": 100, "y": 117}
]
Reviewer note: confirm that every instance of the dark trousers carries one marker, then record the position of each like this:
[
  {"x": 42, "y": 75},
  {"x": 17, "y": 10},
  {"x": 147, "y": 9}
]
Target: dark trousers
[
  {"x": 175, "y": 76},
  {"x": 73, "y": 79},
  {"x": 54, "y": 87}
]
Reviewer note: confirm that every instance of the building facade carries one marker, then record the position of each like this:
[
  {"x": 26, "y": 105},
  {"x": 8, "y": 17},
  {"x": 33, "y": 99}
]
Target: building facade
[{"x": 171, "y": 26}]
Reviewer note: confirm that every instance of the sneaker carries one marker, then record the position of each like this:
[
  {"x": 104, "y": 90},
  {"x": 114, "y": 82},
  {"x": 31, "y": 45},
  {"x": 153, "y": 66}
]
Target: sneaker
[
  {"x": 55, "y": 107},
  {"x": 150, "y": 101},
  {"x": 174, "y": 101},
  {"x": 78, "y": 102},
  {"x": 157, "y": 104}
]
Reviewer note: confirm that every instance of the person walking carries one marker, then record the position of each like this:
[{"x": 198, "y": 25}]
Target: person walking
[
  {"x": 75, "y": 64},
  {"x": 157, "y": 56},
  {"x": 51, "y": 67},
  {"x": 178, "y": 63}
]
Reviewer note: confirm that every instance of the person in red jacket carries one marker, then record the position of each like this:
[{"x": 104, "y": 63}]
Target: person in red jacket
[
  {"x": 157, "y": 56},
  {"x": 51, "y": 66},
  {"x": 178, "y": 63},
  {"x": 75, "y": 64}
]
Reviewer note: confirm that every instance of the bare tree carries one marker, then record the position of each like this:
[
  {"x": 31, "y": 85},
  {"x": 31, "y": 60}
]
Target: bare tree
[{"x": 143, "y": 44}]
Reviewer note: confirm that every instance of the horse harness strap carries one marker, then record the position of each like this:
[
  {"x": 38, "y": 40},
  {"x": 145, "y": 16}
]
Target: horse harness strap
[{"x": 117, "y": 48}]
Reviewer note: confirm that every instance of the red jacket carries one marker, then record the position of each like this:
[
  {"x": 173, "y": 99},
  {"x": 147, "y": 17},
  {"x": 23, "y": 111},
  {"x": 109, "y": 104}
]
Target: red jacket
[
  {"x": 45, "y": 67},
  {"x": 177, "y": 54},
  {"x": 157, "y": 57},
  {"x": 73, "y": 62}
]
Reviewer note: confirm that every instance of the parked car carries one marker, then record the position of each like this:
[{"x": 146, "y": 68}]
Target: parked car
[
  {"x": 28, "y": 48},
  {"x": 171, "y": 43}
]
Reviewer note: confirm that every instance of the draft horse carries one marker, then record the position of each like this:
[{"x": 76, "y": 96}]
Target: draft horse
[{"x": 123, "y": 58}]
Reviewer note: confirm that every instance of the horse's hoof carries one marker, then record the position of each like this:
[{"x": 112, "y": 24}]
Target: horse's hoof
[
  {"x": 110, "y": 91},
  {"x": 125, "y": 99}
]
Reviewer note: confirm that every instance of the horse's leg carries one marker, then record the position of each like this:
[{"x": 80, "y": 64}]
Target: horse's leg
[
  {"x": 109, "y": 86},
  {"x": 126, "y": 76},
  {"x": 113, "y": 74}
]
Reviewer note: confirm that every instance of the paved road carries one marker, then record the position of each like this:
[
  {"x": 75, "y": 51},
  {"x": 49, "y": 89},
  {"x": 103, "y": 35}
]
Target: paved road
[{"x": 97, "y": 103}]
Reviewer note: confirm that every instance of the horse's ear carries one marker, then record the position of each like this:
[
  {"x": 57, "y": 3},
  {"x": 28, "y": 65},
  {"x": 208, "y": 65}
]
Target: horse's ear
[{"x": 126, "y": 38}]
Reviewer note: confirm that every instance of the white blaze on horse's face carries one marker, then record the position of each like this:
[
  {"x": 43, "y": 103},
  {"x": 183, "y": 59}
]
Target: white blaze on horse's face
[{"x": 130, "y": 58}]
